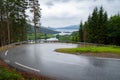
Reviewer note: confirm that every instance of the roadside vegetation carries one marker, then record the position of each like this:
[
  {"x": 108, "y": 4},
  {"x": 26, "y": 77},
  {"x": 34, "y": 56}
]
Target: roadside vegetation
[
  {"x": 31, "y": 36},
  {"x": 6, "y": 74},
  {"x": 92, "y": 49},
  {"x": 100, "y": 51},
  {"x": 100, "y": 29},
  {"x": 64, "y": 38},
  {"x": 68, "y": 38}
]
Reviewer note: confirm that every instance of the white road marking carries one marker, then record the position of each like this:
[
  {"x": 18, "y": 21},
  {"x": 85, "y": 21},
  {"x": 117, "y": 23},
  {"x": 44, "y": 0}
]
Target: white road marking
[
  {"x": 27, "y": 67},
  {"x": 6, "y": 53}
]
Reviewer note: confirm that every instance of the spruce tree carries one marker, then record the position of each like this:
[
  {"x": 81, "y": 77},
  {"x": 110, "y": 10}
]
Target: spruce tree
[{"x": 81, "y": 32}]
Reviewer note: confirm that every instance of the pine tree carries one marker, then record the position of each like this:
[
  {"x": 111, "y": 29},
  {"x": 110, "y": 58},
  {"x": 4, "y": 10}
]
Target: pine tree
[
  {"x": 81, "y": 32},
  {"x": 102, "y": 26},
  {"x": 113, "y": 30},
  {"x": 12, "y": 21},
  {"x": 92, "y": 27},
  {"x": 96, "y": 24},
  {"x": 85, "y": 31},
  {"x": 35, "y": 9}
]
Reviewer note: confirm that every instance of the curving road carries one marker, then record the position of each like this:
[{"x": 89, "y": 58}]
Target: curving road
[{"x": 41, "y": 58}]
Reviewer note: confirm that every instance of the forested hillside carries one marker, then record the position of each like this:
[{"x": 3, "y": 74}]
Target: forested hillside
[{"x": 42, "y": 30}]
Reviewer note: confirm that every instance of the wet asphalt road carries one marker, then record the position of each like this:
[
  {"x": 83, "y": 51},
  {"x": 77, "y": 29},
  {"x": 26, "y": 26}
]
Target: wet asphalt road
[{"x": 43, "y": 59}]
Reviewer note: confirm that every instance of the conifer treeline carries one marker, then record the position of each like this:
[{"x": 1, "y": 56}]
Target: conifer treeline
[
  {"x": 99, "y": 29},
  {"x": 12, "y": 21}
]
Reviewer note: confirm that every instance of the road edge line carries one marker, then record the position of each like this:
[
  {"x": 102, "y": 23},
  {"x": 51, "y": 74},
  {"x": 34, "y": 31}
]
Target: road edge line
[
  {"x": 27, "y": 67},
  {"x": 6, "y": 53}
]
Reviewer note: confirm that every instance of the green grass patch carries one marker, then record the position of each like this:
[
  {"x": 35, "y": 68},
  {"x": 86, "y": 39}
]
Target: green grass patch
[
  {"x": 91, "y": 49},
  {"x": 6, "y": 74},
  {"x": 39, "y": 36}
]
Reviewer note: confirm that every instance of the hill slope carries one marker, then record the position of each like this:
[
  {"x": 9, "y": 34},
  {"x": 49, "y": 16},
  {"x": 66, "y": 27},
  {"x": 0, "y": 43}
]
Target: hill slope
[
  {"x": 42, "y": 30},
  {"x": 46, "y": 30}
]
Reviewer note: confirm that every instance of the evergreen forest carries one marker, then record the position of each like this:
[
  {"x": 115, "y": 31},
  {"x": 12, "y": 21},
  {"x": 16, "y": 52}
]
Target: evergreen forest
[{"x": 100, "y": 29}]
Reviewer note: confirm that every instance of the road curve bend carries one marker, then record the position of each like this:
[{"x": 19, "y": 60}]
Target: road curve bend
[{"x": 42, "y": 58}]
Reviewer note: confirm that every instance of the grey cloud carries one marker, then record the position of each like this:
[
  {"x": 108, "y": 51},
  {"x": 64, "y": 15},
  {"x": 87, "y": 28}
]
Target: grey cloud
[
  {"x": 84, "y": 8},
  {"x": 50, "y": 3},
  {"x": 95, "y": 0},
  {"x": 61, "y": 1},
  {"x": 65, "y": 0}
]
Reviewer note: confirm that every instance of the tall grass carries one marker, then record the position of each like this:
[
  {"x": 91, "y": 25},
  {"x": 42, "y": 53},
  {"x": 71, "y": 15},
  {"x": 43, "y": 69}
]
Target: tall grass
[{"x": 6, "y": 74}]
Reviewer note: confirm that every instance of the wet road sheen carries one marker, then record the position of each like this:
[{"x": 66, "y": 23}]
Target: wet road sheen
[{"x": 64, "y": 66}]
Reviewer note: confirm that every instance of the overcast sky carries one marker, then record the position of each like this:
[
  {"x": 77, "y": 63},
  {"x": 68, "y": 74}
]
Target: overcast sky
[{"x": 60, "y": 13}]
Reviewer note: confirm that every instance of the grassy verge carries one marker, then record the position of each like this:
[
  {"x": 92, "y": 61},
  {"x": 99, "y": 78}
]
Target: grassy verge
[
  {"x": 92, "y": 49},
  {"x": 6, "y": 74}
]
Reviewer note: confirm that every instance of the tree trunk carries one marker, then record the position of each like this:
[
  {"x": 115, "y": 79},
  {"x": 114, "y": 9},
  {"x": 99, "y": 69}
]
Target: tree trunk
[{"x": 8, "y": 24}]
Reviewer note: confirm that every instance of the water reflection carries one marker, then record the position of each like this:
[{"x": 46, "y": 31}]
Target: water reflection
[{"x": 97, "y": 62}]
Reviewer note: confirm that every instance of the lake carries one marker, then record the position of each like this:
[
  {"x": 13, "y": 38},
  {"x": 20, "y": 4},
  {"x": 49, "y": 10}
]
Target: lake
[{"x": 66, "y": 31}]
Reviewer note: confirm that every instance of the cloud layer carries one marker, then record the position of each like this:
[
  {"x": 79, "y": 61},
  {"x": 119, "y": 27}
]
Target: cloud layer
[{"x": 59, "y": 13}]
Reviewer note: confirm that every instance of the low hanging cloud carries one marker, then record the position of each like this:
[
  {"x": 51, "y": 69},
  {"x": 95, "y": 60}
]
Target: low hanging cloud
[{"x": 59, "y": 13}]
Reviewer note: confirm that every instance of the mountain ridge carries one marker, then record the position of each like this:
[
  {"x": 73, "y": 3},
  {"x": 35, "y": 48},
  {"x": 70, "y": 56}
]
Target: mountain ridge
[
  {"x": 69, "y": 27},
  {"x": 43, "y": 30}
]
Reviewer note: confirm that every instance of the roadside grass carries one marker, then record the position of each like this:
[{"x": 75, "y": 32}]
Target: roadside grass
[
  {"x": 6, "y": 74},
  {"x": 91, "y": 49},
  {"x": 4, "y": 48}
]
